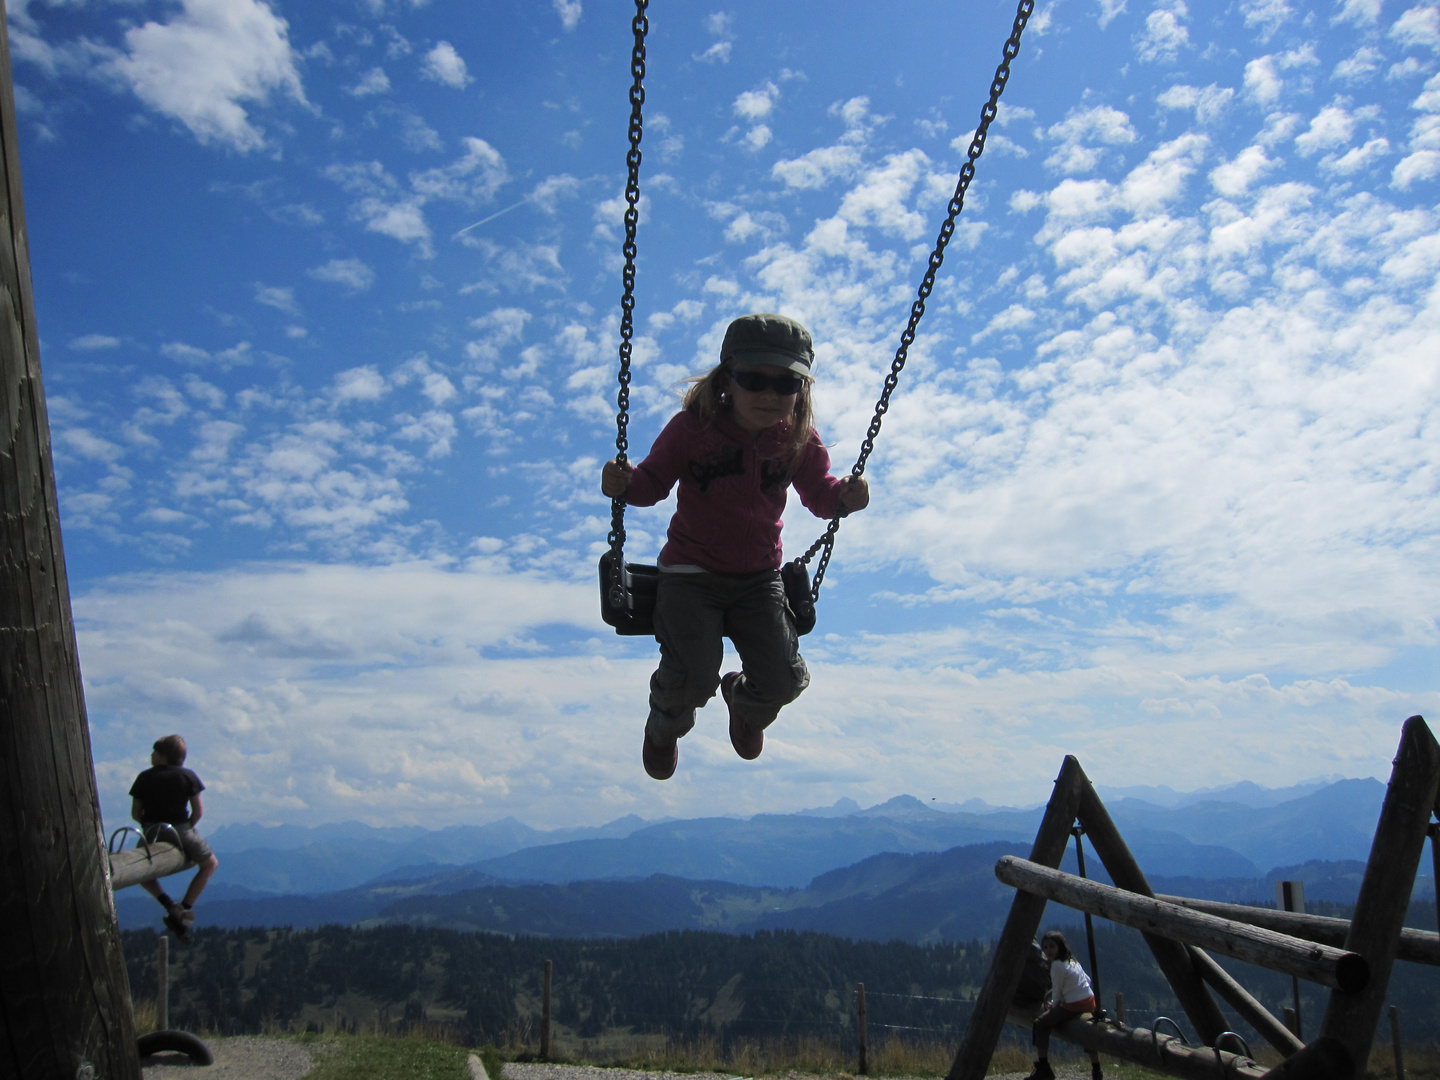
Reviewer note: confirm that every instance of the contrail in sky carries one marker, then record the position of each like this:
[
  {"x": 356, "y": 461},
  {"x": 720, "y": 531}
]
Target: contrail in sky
[{"x": 492, "y": 217}]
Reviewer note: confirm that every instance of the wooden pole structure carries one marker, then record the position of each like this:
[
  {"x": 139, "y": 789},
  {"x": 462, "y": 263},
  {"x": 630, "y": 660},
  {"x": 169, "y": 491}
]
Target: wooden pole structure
[
  {"x": 987, "y": 1020},
  {"x": 863, "y": 1066},
  {"x": 1351, "y": 1019},
  {"x": 1163, "y": 1053},
  {"x": 1318, "y": 963},
  {"x": 1251, "y": 1011},
  {"x": 545, "y": 1012},
  {"x": 1395, "y": 1043},
  {"x": 135, "y": 865},
  {"x": 162, "y": 984},
  {"x": 1172, "y": 957},
  {"x": 63, "y": 990},
  {"x": 1120, "y": 1008},
  {"x": 1417, "y": 946}
]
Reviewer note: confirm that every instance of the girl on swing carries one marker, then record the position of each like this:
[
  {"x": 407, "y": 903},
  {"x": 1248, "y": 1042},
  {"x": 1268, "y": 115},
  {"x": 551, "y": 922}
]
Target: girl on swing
[{"x": 742, "y": 438}]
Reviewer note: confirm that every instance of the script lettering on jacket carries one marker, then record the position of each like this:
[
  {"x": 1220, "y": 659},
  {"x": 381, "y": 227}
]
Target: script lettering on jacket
[
  {"x": 774, "y": 475},
  {"x": 724, "y": 463}
]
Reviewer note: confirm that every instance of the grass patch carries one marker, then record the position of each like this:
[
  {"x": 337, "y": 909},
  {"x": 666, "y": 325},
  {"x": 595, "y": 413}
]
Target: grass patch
[{"x": 377, "y": 1057}]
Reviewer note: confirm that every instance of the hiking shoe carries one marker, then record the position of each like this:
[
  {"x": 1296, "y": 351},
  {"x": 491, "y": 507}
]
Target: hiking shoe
[
  {"x": 1042, "y": 1071},
  {"x": 660, "y": 759},
  {"x": 185, "y": 915},
  {"x": 748, "y": 742}
]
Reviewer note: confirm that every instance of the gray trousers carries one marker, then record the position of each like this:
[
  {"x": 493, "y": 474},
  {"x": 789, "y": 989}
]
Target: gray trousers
[{"x": 693, "y": 613}]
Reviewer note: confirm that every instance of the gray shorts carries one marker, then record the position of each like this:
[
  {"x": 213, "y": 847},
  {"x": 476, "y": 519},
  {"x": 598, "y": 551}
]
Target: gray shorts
[{"x": 191, "y": 842}]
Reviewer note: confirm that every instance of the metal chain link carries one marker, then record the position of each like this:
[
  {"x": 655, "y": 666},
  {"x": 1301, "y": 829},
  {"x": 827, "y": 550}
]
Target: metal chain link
[
  {"x": 927, "y": 284},
  {"x": 640, "y": 25}
]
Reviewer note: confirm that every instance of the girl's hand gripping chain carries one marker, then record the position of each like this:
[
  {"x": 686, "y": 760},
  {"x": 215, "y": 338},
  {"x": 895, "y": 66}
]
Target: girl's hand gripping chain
[
  {"x": 854, "y": 493},
  {"x": 615, "y": 478}
]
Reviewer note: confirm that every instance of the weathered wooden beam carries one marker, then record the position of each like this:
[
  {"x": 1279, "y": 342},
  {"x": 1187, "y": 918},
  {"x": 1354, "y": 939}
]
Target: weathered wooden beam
[
  {"x": 1243, "y": 1002},
  {"x": 1351, "y": 1019},
  {"x": 64, "y": 996},
  {"x": 1324, "y": 1059},
  {"x": 1416, "y": 946},
  {"x": 1162, "y": 1053},
  {"x": 1253, "y": 944},
  {"x": 987, "y": 1019},
  {"x": 136, "y": 865},
  {"x": 1172, "y": 957}
]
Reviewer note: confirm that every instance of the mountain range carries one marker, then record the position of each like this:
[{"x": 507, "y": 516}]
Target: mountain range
[{"x": 903, "y": 869}]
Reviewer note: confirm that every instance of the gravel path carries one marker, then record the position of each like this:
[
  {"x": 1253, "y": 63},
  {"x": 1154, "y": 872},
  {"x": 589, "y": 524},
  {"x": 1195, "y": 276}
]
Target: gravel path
[
  {"x": 254, "y": 1057},
  {"x": 240, "y": 1057}
]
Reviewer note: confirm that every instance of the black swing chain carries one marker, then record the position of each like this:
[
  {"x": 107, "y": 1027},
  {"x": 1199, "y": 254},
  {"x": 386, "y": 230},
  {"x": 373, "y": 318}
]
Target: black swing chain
[
  {"x": 641, "y": 26},
  {"x": 927, "y": 285}
]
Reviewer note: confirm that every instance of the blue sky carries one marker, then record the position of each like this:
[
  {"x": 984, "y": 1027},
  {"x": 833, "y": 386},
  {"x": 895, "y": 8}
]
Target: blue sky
[{"x": 328, "y": 303}]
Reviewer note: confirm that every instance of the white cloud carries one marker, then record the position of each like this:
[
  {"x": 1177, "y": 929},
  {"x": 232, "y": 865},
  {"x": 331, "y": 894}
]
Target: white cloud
[
  {"x": 1418, "y": 28},
  {"x": 1357, "y": 157},
  {"x": 569, "y": 12},
  {"x": 757, "y": 104},
  {"x": 351, "y": 273},
  {"x": 359, "y": 384},
  {"x": 1209, "y": 103},
  {"x": 474, "y": 178},
  {"x": 1359, "y": 12},
  {"x": 91, "y": 342},
  {"x": 1165, "y": 31},
  {"x": 717, "y": 53},
  {"x": 444, "y": 65},
  {"x": 1233, "y": 178},
  {"x": 1109, "y": 10},
  {"x": 1266, "y": 14},
  {"x": 281, "y": 298},
  {"x": 818, "y": 167},
  {"x": 1081, "y": 129},
  {"x": 758, "y": 137},
  {"x": 1263, "y": 83},
  {"x": 374, "y": 81},
  {"x": 1330, "y": 127},
  {"x": 213, "y": 56},
  {"x": 1421, "y": 165},
  {"x": 1365, "y": 61}
]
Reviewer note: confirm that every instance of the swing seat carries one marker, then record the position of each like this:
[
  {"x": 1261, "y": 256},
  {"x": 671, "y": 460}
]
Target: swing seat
[{"x": 636, "y": 616}]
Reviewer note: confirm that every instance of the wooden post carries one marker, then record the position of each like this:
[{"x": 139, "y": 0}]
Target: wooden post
[
  {"x": 987, "y": 1019},
  {"x": 63, "y": 990},
  {"x": 863, "y": 1066},
  {"x": 1078, "y": 832},
  {"x": 545, "y": 1012},
  {"x": 1290, "y": 897},
  {"x": 162, "y": 984},
  {"x": 1417, "y": 946},
  {"x": 1351, "y": 1019},
  {"x": 1337, "y": 968},
  {"x": 1434, "y": 832},
  {"x": 1324, "y": 1059},
  {"x": 1119, "y": 1008},
  {"x": 1395, "y": 1042},
  {"x": 1172, "y": 957},
  {"x": 1251, "y": 1011},
  {"x": 1291, "y": 1021}
]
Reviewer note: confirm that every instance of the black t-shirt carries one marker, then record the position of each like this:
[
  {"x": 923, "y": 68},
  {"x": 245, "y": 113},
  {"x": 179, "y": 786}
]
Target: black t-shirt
[{"x": 164, "y": 793}]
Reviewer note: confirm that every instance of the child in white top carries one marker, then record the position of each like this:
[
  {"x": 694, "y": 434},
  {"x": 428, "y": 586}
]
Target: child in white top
[{"x": 1071, "y": 996}]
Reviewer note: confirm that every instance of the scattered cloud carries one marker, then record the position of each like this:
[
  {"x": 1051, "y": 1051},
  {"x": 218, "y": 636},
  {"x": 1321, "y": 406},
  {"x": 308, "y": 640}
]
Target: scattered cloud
[
  {"x": 351, "y": 273},
  {"x": 444, "y": 65},
  {"x": 569, "y": 12}
]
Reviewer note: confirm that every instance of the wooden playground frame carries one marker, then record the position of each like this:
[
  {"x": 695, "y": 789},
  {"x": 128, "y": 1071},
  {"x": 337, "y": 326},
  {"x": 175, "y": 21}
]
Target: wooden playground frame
[{"x": 1353, "y": 957}]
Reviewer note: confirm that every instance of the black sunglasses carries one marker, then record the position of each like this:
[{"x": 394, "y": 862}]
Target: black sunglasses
[{"x": 783, "y": 383}]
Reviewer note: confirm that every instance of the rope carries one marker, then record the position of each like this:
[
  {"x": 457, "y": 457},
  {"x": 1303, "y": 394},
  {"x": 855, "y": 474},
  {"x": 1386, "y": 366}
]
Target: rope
[
  {"x": 927, "y": 284},
  {"x": 640, "y": 25}
]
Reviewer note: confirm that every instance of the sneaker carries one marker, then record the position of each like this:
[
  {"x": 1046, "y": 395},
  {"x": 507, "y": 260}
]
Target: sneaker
[
  {"x": 185, "y": 915},
  {"x": 1042, "y": 1071},
  {"x": 747, "y": 741},
  {"x": 178, "y": 926},
  {"x": 660, "y": 760}
]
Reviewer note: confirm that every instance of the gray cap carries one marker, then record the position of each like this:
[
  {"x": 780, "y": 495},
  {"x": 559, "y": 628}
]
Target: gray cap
[{"x": 769, "y": 339}]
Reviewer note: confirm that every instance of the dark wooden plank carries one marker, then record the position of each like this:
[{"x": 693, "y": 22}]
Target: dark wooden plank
[
  {"x": 1173, "y": 958},
  {"x": 993, "y": 1004},
  {"x": 1351, "y": 1019},
  {"x": 63, "y": 990}
]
